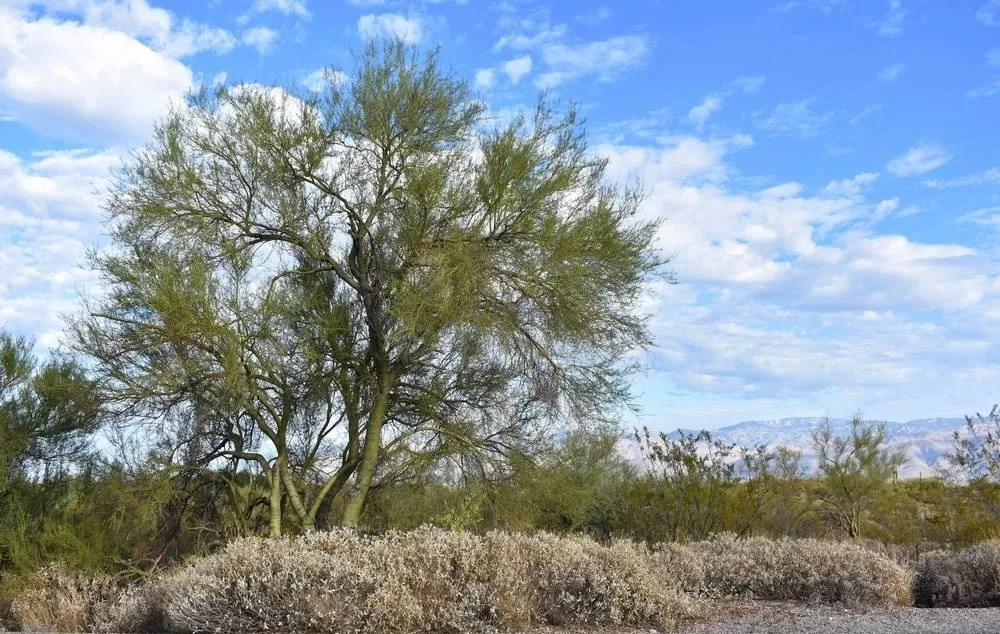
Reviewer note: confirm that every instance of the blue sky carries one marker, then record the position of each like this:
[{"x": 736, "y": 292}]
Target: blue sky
[{"x": 828, "y": 170}]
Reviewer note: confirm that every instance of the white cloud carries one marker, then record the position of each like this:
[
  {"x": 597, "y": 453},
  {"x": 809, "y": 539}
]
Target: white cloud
[
  {"x": 750, "y": 84},
  {"x": 987, "y": 217},
  {"x": 985, "y": 177},
  {"x": 406, "y": 29},
  {"x": 699, "y": 114},
  {"x": 790, "y": 295},
  {"x": 48, "y": 218},
  {"x": 919, "y": 160},
  {"x": 517, "y": 68},
  {"x": 288, "y": 7},
  {"x": 989, "y": 13},
  {"x": 793, "y": 118},
  {"x": 885, "y": 208},
  {"x": 892, "y": 23},
  {"x": 521, "y": 41},
  {"x": 824, "y": 6},
  {"x": 604, "y": 59},
  {"x": 993, "y": 57},
  {"x": 866, "y": 112},
  {"x": 987, "y": 90},
  {"x": 219, "y": 79},
  {"x": 890, "y": 74},
  {"x": 82, "y": 82},
  {"x": 485, "y": 78},
  {"x": 261, "y": 38},
  {"x": 318, "y": 80},
  {"x": 851, "y": 187},
  {"x": 154, "y": 26}
]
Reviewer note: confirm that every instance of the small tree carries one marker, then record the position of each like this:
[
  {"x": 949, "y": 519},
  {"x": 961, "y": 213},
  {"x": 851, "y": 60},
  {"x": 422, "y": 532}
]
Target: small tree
[
  {"x": 330, "y": 287},
  {"x": 695, "y": 474},
  {"x": 975, "y": 459},
  {"x": 855, "y": 470},
  {"x": 48, "y": 412}
]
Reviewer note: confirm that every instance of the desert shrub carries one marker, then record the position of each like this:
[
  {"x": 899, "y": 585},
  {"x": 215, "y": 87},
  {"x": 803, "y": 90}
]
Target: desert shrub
[
  {"x": 682, "y": 564},
  {"x": 803, "y": 570},
  {"x": 425, "y": 580},
  {"x": 970, "y": 578},
  {"x": 59, "y": 599}
]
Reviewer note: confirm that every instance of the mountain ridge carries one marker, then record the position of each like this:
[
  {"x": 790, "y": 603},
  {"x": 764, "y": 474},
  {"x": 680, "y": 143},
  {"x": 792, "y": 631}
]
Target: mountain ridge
[{"x": 926, "y": 442}]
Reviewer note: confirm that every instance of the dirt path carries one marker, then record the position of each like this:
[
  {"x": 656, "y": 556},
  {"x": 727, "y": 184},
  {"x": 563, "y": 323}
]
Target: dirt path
[{"x": 785, "y": 618}]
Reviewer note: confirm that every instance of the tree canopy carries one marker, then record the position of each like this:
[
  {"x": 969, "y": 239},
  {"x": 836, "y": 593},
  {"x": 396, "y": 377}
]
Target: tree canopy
[{"x": 339, "y": 287}]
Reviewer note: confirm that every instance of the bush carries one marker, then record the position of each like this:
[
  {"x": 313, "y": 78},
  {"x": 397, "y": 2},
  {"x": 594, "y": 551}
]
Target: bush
[
  {"x": 58, "y": 599},
  {"x": 427, "y": 580},
  {"x": 682, "y": 564},
  {"x": 970, "y": 578},
  {"x": 802, "y": 570}
]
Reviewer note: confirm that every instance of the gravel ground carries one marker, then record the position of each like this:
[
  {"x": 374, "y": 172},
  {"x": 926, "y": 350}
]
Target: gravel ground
[{"x": 785, "y": 618}]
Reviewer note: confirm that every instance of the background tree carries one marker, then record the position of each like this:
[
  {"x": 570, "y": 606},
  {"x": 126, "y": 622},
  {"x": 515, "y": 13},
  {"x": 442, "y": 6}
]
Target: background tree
[
  {"x": 975, "y": 459},
  {"x": 47, "y": 412},
  {"x": 330, "y": 287},
  {"x": 695, "y": 476},
  {"x": 855, "y": 470}
]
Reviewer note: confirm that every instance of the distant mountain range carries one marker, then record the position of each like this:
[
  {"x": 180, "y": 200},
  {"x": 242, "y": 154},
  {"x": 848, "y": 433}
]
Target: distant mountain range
[{"x": 926, "y": 442}]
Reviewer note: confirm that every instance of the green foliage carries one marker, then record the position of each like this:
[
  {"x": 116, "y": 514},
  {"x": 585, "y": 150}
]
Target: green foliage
[
  {"x": 855, "y": 471},
  {"x": 377, "y": 265}
]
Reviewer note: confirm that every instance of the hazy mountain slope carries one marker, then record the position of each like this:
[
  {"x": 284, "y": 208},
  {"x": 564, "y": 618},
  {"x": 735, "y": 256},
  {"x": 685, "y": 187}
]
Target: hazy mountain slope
[{"x": 925, "y": 442}]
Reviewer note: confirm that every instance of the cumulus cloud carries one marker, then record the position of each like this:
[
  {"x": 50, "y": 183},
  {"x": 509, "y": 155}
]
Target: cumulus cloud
[
  {"x": 485, "y": 78},
  {"x": 409, "y": 30},
  {"x": 789, "y": 294},
  {"x": 919, "y": 160},
  {"x": 48, "y": 217},
  {"x": 261, "y": 38},
  {"x": 604, "y": 59},
  {"x": 699, "y": 114},
  {"x": 318, "y": 80},
  {"x": 154, "y": 26},
  {"x": 517, "y": 68},
  {"x": 82, "y": 82}
]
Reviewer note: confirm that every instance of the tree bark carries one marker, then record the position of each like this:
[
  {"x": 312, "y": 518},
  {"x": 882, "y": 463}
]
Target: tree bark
[
  {"x": 275, "y": 498},
  {"x": 369, "y": 457}
]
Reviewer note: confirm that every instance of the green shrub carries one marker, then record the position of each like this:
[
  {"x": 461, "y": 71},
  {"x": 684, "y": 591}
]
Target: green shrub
[{"x": 970, "y": 578}]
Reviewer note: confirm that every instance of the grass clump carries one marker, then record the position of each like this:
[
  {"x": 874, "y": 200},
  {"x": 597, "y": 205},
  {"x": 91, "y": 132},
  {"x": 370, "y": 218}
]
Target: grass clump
[
  {"x": 806, "y": 570},
  {"x": 969, "y": 578}
]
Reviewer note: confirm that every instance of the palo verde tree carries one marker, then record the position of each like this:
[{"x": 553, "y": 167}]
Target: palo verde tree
[
  {"x": 335, "y": 287},
  {"x": 975, "y": 459},
  {"x": 48, "y": 411},
  {"x": 855, "y": 471}
]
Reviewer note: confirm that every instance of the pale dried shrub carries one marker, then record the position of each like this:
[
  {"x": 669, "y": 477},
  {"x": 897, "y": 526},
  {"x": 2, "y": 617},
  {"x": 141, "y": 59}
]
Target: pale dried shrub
[
  {"x": 576, "y": 580},
  {"x": 139, "y": 608},
  {"x": 970, "y": 578},
  {"x": 59, "y": 599},
  {"x": 807, "y": 570},
  {"x": 681, "y": 564},
  {"x": 425, "y": 580}
]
